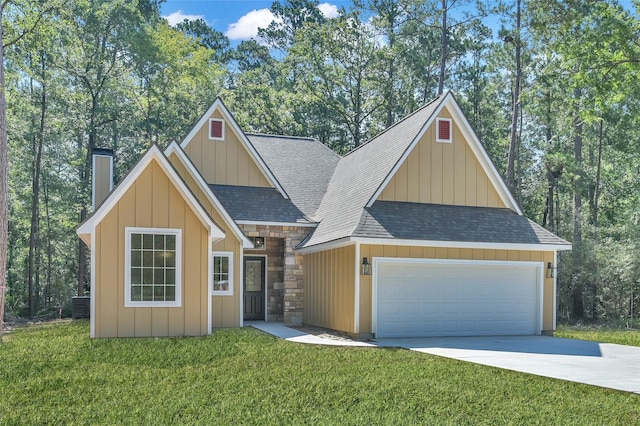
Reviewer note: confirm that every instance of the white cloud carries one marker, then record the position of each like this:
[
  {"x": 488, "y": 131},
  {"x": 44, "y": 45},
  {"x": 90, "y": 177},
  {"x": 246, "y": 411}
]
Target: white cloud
[
  {"x": 329, "y": 10},
  {"x": 177, "y": 17},
  {"x": 247, "y": 26}
]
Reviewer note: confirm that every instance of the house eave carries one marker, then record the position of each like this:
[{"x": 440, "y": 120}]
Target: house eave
[
  {"x": 263, "y": 223},
  {"x": 342, "y": 242}
]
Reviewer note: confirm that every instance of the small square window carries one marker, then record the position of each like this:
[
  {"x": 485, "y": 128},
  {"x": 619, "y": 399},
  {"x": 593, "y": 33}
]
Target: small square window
[
  {"x": 216, "y": 129},
  {"x": 443, "y": 130}
]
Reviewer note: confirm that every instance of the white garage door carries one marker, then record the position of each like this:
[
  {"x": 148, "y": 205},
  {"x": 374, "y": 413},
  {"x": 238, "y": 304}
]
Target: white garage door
[{"x": 420, "y": 298}]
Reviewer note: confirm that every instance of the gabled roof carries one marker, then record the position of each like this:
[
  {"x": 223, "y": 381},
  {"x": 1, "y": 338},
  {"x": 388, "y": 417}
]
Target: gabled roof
[
  {"x": 184, "y": 159},
  {"x": 436, "y": 222},
  {"x": 303, "y": 166},
  {"x": 247, "y": 204},
  {"x": 361, "y": 172},
  {"x": 219, "y": 105},
  {"x": 362, "y": 175},
  {"x": 153, "y": 154}
]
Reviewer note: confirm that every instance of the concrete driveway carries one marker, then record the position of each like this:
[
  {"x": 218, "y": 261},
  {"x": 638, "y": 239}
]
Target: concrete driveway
[{"x": 600, "y": 364}]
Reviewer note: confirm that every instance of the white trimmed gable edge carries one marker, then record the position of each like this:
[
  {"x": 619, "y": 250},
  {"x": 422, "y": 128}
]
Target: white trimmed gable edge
[
  {"x": 153, "y": 153},
  {"x": 174, "y": 148},
  {"x": 262, "y": 166},
  {"x": 473, "y": 142}
]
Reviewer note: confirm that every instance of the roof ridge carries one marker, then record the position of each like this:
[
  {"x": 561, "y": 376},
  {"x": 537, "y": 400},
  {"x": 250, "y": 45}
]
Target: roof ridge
[
  {"x": 306, "y": 138},
  {"x": 406, "y": 117},
  {"x": 272, "y": 135}
]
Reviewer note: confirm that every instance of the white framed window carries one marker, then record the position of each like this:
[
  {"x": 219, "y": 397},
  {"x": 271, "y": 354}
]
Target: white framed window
[
  {"x": 153, "y": 267},
  {"x": 222, "y": 273},
  {"x": 444, "y": 130},
  {"x": 216, "y": 129}
]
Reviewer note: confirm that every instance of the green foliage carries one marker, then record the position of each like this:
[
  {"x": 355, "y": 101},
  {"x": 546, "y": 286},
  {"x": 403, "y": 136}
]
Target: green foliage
[
  {"x": 601, "y": 334},
  {"x": 56, "y": 374},
  {"x": 115, "y": 75}
]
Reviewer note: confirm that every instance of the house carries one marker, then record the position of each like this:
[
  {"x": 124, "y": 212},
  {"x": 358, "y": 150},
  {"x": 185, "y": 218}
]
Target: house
[{"x": 413, "y": 233}]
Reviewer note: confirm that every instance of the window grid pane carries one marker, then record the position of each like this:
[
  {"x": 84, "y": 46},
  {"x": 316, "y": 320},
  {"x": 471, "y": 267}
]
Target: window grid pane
[
  {"x": 153, "y": 267},
  {"x": 221, "y": 273}
]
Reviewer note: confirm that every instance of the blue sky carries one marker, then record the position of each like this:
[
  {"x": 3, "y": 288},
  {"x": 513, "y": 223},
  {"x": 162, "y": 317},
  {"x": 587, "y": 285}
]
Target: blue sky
[
  {"x": 237, "y": 19},
  {"x": 240, "y": 19}
]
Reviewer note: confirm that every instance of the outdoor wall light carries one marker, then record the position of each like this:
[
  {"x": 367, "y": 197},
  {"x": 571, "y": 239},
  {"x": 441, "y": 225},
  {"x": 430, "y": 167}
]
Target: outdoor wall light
[
  {"x": 258, "y": 243},
  {"x": 551, "y": 270},
  {"x": 366, "y": 266}
]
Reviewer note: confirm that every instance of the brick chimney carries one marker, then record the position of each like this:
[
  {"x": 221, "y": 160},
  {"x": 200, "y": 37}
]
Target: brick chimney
[{"x": 102, "y": 177}]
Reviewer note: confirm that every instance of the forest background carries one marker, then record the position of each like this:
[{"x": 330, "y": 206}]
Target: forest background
[{"x": 551, "y": 88}]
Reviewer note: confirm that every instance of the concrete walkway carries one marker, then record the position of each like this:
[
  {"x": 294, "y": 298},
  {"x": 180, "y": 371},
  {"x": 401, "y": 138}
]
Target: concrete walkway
[
  {"x": 292, "y": 335},
  {"x": 599, "y": 364}
]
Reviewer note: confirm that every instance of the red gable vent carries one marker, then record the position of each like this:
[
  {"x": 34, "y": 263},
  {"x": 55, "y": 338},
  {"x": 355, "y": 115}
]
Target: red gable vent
[
  {"x": 444, "y": 130},
  {"x": 216, "y": 129}
]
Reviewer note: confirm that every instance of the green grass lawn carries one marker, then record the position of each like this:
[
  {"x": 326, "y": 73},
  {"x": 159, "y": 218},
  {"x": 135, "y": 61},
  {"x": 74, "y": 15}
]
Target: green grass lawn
[
  {"x": 620, "y": 336},
  {"x": 55, "y": 374}
]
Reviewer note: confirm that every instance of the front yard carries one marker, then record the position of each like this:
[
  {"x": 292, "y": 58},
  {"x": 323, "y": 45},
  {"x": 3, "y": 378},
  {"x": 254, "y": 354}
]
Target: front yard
[{"x": 55, "y": 374}]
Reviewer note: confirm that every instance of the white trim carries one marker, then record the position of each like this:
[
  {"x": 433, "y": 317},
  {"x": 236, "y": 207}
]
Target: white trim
[
  {"x": 483, "y": 157},
  {"x": 346, "y": 241},
  {"x": 209, "y": 295},
  {"x": 92, "y": 290},
  {"x": 539, "y": 281},
  {"x": 461, "y": 244},
  {"x": 257, "y": 222},
  {"x": 154, "y": 153},
  {"x": 128, "y": 303},
  {"x": 241, "y": 287},
  {"x": 329, "y": 245},
  {"x": 93, "y": 177},
  {"x": 440, "y": 120},
  {"x": 215, "y": 138},
  {"x": 174, "y": 148},
  {"x": 472, "y": 141},
  {"x": 229, "y": 255},
  {"x": 555, "y": 290},
  {"x": 356, "y": 307},
  {"x": 218, "y": 104},
  {"x": 406, "y": 153}
]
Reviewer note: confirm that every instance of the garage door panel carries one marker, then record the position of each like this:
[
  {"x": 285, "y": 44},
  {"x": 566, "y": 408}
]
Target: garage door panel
[{"x": 431, "y": 299}]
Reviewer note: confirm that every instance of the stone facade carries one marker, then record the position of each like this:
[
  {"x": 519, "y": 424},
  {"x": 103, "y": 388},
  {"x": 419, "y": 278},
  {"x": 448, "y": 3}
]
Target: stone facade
[{"x": 285, "y": 282}]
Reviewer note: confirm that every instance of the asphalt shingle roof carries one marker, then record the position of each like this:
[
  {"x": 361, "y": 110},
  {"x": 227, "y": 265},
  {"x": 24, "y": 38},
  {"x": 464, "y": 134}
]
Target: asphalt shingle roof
[
  {"x": 257, "y": 204},
  {"x": 361, "y": 172},
  {"x": 303, "y": 166},
  {"x": 435, "y": 222},
  {"x": 333, "y": 192}
]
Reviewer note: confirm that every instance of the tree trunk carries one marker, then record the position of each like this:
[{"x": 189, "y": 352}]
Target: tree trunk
[
  {"x": 47, "y": 215},
  {"x": 596, "y": 193},
  {"x": 35, "y": 204},
  {"x": 391, "y": 36},
  {"x": 516, "y": 104},
  {"x": 444, "y": 41},
  {"x": 578, "y": 288},
  {"x": 551, "y": 173},
  {"x": 4, "y": 176}
]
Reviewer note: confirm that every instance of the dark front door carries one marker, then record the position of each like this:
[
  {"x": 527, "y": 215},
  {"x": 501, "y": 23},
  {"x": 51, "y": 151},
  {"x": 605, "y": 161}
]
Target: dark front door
[{"x": 254, "y": 284}]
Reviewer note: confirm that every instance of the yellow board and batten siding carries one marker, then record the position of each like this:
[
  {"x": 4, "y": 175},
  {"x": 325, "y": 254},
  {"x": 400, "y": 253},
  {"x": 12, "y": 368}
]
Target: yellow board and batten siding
[
  {"x": 373, "y": 251},
  {"x": 152, "y": 201},
  {"x": 225, "y": 309},
  {"x": 224, "y": 162},
  {"x": 442, "y": 173},
  {"x": 329, "y": 298}
]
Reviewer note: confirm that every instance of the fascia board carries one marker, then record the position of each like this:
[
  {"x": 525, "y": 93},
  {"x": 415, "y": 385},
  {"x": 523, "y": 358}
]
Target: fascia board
[
  {"x": 218, "y": 104},
  {"x": 174, "y": 148}
]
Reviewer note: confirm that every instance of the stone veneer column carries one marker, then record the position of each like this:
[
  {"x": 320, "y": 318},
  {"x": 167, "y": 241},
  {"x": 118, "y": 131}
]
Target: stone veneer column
[{"x": 293, "y": 277}]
